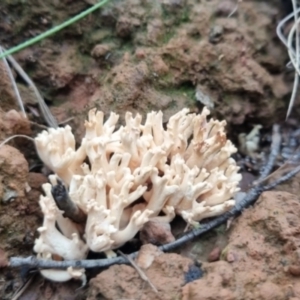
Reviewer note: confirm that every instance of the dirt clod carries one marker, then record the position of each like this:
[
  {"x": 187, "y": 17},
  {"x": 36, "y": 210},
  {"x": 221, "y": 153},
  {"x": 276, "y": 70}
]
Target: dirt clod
[
  {"x": 157, "y": 233},
  {"x": 13, "y": 173},
  {"x": 121, "y": 281},
  {"x": 262, "y": 242}
]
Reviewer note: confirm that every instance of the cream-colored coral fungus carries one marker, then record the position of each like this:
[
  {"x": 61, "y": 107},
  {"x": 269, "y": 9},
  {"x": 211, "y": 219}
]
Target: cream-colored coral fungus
[{"x": 121, "y": 178}]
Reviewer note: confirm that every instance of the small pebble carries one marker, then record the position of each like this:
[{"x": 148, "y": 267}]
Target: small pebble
[
  {"x": 214, "y": 255},
  {"x": 216, "y": 33},
  {"x": 230, "y": 257},
  {"x": 140, "y": 53},
  {"x": 294, "y": 270},
  {"x": 156, "y": 233}
]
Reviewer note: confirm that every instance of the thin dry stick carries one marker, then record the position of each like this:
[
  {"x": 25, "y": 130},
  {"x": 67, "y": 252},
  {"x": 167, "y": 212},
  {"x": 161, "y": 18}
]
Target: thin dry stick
[
  {"x": 292, "y": 53},
  {"x": 66, "y": 121},
  {"x": 65, "y": 204},
  {"x": 139, "y": 270},
  {"x": 50, "y": 120},
  {"x": 235, "y": 9},
  {"x": 14, "y": 85},
  {"x": 275, "y": 148},
  {"x": 39, "y": 125},
  {"x": 23, "y": 288},
  {"x": 14, "y": 136},
  {"x": 286, "y": 167},
  {"x": 294, "y": 56},
  {"x": 248, "y": 200},
  {"x": 281, "y": 24}
]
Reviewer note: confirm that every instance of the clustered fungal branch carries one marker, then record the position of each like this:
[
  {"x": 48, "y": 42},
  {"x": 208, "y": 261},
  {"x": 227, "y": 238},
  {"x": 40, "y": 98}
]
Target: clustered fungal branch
[
  {"x": 249, "y": 199},
  {"x": 134, "y": 173}
]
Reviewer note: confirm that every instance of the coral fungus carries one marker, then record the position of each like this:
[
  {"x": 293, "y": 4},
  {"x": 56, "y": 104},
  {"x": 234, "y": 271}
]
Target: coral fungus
[{"x": 121, "y": 178}]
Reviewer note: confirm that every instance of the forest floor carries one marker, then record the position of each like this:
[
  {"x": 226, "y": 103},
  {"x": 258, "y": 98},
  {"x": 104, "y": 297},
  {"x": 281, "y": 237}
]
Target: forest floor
[{"x": 138, "y": 56}]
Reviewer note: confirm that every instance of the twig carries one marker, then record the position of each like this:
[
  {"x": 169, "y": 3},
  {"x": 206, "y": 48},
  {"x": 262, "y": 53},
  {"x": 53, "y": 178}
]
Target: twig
[
  {"x": 66, "y": 121},
  {"x": 50, "y": 120},
  {"x": 235, "y": 9},
  {"x": 279, "y": 29},
  {"x": 14, "y": 85},
  {"x": 14, "y": 136},
  {"x": 292, "y": 53},
  {"x": 294, "y": 56},
  {"x": 139, "y": 270},
  {"x": 53, "y": 30},
  {"x": 282, "y": 179},
  {"x": 33, "y": 262},
  {"x": 249, "y": 199},
  {"x": 275, "y": 148},
  {"x": 20, "y": 291},
  {"x": 39, "y": 125},
  {"x": 64, "y": 203}
]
